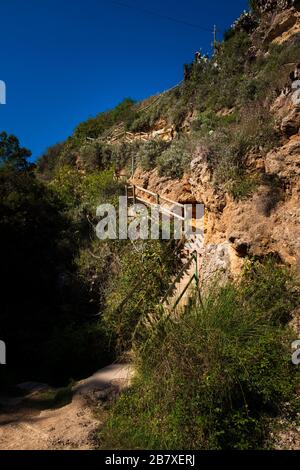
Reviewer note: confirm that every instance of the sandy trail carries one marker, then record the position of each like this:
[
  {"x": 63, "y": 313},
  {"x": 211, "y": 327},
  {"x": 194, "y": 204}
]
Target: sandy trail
[{"x": 71, "y": 427}]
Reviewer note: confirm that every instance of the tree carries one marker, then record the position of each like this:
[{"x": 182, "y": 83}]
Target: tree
[
  {"x": 49, "y": 160},
  {"x": 11, "y": 154}
]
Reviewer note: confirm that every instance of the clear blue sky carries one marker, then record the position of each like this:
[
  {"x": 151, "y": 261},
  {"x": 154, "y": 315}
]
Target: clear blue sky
[{"x": 66, "y": 60}]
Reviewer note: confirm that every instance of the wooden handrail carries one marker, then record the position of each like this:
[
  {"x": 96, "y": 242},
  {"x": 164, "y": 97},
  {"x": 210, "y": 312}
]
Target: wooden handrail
[
  {"x": 192, "y": 258},
  {"x": 172, "y": 202},
  {"x": 163, "y": 210},
  {"x": 194, "y": 277},
  {"x": 176, "y": 216},
  {"x": 159, "y": 197},
  {"x": 145, "y": 190}
]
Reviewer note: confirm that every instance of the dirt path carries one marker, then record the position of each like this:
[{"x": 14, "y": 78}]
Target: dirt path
[{"x": 23, "y": 427}]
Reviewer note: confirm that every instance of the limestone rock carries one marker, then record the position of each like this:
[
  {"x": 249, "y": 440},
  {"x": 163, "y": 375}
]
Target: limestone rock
[
  {"x": 285, "y": 161},
  {"x": 283, "y": 23},
  {"x": 291, "y": 123},
  {"x": 202, "y": 181}
]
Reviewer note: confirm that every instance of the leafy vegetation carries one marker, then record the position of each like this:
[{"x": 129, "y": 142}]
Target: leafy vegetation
[
  {"x": 66, "y": 279},
  {"x": 210, "y": 379},
  {"x": 174, "y": 160},
  {"x": 142, "y": 279},
  {"x": 12, "y": 156},
  {"x": 150, "y": 152},
  {"x": 230, "y": 144},
  {"x": 44, "y": 229}
]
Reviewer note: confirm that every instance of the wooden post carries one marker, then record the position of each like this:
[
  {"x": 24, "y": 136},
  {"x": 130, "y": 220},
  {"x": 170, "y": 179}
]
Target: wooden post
[
  {"x": 196, "y": 269},
  {"x": 132, "y": 165},
  {"x": 134, "y": 194},
  {"x": 185, "y": 221}
]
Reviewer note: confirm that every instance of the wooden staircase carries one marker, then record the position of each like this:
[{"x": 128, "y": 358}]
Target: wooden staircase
[
  {"x": 181, "y": 287},
  {"x": 187, "y": 281}
]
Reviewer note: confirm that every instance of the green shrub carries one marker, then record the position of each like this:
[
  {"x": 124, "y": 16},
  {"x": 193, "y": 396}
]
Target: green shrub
[
  {"x": 42, "y": 228},
  {"x": 228, "y": 34},
  {"x": 270, "y": 73},
  {"x": 208, "y": 121},
  {"x": 90, "y": 190},
  {"x": 124, "y": 112},
  {"x": 178, "y": 114},
  {"x": 150, "y": 152},
  {"x": 100, "y": 188},
  {"x": 142, "y": 123},
  {"x": 175, "y": 160},
  {"x": 125, "y": 154},
  {"x": 170, "y": 106},
  {"x": 211, "y": 378},
  {"x": 143, "y": 276},
  {"x": 242, "y": 186},
  {"x": 66, "y": 184},
  {"x": 217, "y": 87},
  {"x": 47, "y": 163},
  {"x": 95, "y": 156},
  {"x": 252, "y": 131}
]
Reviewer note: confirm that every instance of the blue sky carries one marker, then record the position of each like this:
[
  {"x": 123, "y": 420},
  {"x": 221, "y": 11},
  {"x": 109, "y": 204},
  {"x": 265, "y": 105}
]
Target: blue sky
[{"x": 64, "y": 61}]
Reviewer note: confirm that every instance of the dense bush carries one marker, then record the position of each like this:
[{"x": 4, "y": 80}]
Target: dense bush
[
  {"x": 141, "y": 280},
  {"x": 51, "y": 327},
  {"x": 95, "y": 156},
  {"x": 253, "y": 130},
  {"x": 271, "y": 72},
  {"x": 178, "y": 114},
  {"x": 12, "y": 156},
  {"x": 141, "y": 124},
  {"x": 39, "y": 242},
  {"x": 167, "y": 106},
  {"x": 246, "y": 22},
  {"x": 174, "y": 161},
  {"x": 209, "y": 379},
  {"x": 150, "y": 152},
  {"x": 125, "y": 154},
  {"x": 48, "y": 162}
]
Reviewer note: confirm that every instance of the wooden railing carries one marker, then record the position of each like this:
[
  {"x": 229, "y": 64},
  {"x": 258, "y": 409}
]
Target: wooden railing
[
  {"x": 137, "y": 196},
  {"x": 194, "y": 277}
]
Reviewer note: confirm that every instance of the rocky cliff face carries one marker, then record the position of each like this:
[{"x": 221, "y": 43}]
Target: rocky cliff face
[
  {"x": 281, "y": 23},
  {"x": 275, "y": 5},
  {"x": 267, "y": 222}
]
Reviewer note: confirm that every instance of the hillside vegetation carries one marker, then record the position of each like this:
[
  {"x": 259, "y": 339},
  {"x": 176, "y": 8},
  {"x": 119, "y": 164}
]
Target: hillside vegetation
[
  {"x": 213, "y": 379},
  {"x": 228, "y": 98}
]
